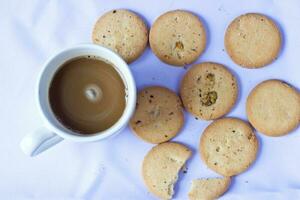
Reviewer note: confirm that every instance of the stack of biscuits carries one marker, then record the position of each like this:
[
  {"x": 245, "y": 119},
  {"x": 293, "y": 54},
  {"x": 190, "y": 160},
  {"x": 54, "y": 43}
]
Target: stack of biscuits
[{"x": 208, "y": 91}]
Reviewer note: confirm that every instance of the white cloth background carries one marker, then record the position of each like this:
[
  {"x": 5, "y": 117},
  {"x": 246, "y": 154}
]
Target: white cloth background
[{"x": 33, "y": 30}]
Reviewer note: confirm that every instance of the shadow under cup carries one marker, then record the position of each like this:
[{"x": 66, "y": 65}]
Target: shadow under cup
[{"x": 54, "y": 64}]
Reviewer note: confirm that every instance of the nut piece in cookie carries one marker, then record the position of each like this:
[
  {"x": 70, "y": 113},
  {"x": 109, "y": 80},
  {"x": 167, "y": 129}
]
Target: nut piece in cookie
[{"x": 161, "y": 167}]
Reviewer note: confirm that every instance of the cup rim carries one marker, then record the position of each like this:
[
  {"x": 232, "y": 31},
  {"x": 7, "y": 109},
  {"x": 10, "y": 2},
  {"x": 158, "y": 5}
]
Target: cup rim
[{"x": 127, "y": 113}]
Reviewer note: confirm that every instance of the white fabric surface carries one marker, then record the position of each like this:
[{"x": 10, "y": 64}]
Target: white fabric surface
[{"x": 32, "y": 30}]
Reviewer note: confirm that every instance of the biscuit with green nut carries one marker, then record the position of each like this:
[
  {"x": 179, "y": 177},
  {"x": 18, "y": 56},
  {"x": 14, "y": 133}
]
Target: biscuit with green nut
[
  {"x": 161, "y": 167},
  {"x": 123, "y": 32},
  {"x": 209, "y": 188},
  {"x": 208, "y": 90},
  {"x": 253, "y": 40},
  {"x": 228, "y": 146},
  {"x": 273, "y": 108},
  {"x": 158, "y": 116},
  {"x": 177, "y": 37}
]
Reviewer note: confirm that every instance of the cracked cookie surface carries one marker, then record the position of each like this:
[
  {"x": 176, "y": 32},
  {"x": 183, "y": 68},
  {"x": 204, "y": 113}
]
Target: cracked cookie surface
[
  {"x": 158, "y": 116},
  {"x": 208, "y": 90},
  {"x": 177, "y": 37}
]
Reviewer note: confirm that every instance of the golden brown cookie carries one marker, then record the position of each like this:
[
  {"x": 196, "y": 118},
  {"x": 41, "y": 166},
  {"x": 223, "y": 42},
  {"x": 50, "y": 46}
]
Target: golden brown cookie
[
  {"x": 208, "y": 90},
  {"x": 253, "y": 40},
  {"x": 177, "y": 37},
  {"x": 273, "y": 108},
  {"x": 158, "y": 116},
  {"x": 122, "y": 31},
  {"x": 228, "y": 146},
  {"x": 208, "y": 189},
  {"x": 161, "y": 167}
]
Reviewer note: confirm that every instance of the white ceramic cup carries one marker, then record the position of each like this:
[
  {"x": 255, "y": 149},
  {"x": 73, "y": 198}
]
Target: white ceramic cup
[{"x": 53, "y": 131}]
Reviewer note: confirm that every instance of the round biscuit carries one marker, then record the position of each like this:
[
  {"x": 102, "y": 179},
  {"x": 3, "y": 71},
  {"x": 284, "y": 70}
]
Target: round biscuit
[
  {"x": 123, "y": 32},
  {"x": 158, "y": 116},
  {"x": 253, "y": 40},
  {"x": 228, "y": 146},
  {"x": 273, "y": 108},
  {"x": 177, "y": 37},
  {"x": 208, "y": 90}
]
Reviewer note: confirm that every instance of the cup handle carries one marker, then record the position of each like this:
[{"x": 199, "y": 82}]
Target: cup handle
[{"x": 39, "y": 141}]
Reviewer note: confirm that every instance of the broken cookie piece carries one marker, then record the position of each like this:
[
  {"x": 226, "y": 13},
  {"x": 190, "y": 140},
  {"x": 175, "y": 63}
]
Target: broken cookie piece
[
  {"x": 208, "y": 189},
  {"x": 161, "y": 167}
]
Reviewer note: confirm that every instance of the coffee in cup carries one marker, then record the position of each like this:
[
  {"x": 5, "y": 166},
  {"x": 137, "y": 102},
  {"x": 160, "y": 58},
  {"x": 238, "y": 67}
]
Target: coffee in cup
[{"x": 87, "y": 95}]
